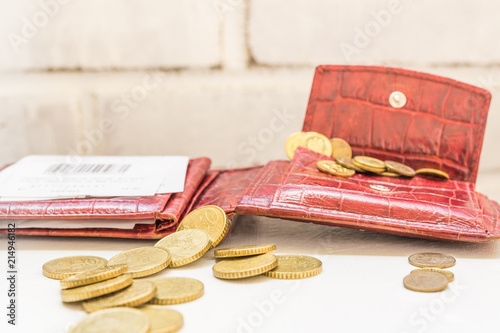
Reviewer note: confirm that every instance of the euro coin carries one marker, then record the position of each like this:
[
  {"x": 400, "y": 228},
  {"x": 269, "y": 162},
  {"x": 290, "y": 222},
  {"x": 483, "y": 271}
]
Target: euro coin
[
  {"x": 347, "y": 162},
  {"x": 295, "y": 267},
  {"x": 390, "y": 174},
  {"x": 140, "y": 292},
  {"x": 380, "y": 188},
  {"x": 62, "y": 268},
  {"x": 425, "y": 281},
  {"x": 432, "y": 172},
  {"x": 317, "y": 142},
  {"x": 449, "y": 275},
  {"x": 212, "y": 219},
  {"x": 367, "y": 168},
  {"x": 244, "y": 267},
  {"x": 93, "y": 276},
  {"x": 176, "y": 290},
  {"x": 369, "y": 164},
  {"x": 243, "y": 251},
  {"x": 96, "y": 289},
  {"x": 120, "y": 320},
  {"x": 292, "y": 143},
  {"x": 334, "y": 168},
  {"x": 162, "y": 320},
  {"x": 436, "y": 260},
  {"x": 340, "y": 148},
  {"x": 185, "y": 246},
  {"x": 399, "y": 168},
  {"x": 143, "y": 261}
]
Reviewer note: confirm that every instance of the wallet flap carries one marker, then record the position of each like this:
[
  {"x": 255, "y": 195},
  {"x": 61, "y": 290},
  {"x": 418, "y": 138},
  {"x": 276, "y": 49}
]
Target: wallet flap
[
  {"x": 197, "y": 170},
  {"x": 93, "y": 208},
  {"x": 225, "y": 188},
  {"x": 441, "y": 125},
  {"x": 418, "y": 207},
  {"x": 260, "y": 194}
]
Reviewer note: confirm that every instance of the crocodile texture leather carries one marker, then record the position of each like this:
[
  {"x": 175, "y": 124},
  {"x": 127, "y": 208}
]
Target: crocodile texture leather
[
  {"x": 418, "y": 207},
  {"x": 441, "y": 126},
  {"x": 226, "y": 189}
]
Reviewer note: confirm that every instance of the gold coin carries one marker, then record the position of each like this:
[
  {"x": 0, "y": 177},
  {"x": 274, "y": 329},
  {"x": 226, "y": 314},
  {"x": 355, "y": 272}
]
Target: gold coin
[
  {"x": 185, "y": 246},
  {"x": 162, "y": 320},
  {"x": 436, "y": 260},
  {"x": 425, "y": 281},
  {"x": 347, "y": 162},
  {"x": 380, "y": 188},
  {"x": 140, "y": 292},
  {"x": 340, "y": 148},
  {"x": 243, "y": 251},
  {"x": 93, "y": 276},
  {"x": 212, "y": 219},
  {"x": 62, "y": 268},
  {"x": 317, "y": 142},
  {"x": 143, "y": 261},
  {"x": 292, "y": 143},
  {"x": 432, "y": 172},
  {"x": 390, "y": 174},
  {"x": 335, "y": 169},
  {"x": 367, "y": 168},
  {"x": 244, "y": 267},
  {"x": 369, "y": 163},
  {"x": 96, "y": 289},
  {"x": 295, "y": 267},
  {"x": 449, "y": 275},
  {"x": 400, "y": 168},
  {"x": 120, "y": 320},
  {"x": 176, "y": 290}
]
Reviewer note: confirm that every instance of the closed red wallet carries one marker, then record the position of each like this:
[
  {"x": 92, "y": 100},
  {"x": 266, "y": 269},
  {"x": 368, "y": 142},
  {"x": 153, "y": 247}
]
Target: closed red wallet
[
  {"x": 440, "y": 125},
  {"x": 153, "y": 216}
]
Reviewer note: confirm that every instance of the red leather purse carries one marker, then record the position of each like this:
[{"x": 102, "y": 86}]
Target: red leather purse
[{"x": 441, "y": 126}]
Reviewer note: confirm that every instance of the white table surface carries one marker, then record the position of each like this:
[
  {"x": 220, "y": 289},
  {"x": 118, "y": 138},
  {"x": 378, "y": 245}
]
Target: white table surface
[{"x": 360, "y": 289}]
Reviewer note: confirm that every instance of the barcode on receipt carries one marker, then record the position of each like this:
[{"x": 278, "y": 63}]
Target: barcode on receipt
[{"x": 66, "y": 169}]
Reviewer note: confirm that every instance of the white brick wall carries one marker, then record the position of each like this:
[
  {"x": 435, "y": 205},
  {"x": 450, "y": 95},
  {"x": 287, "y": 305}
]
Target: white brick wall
[
  {"x": 297, "y": 32},
  {"x": 36, "y": 123},
  {"x": 228, "y": 79},
  {"x": 109, "y": 34}
]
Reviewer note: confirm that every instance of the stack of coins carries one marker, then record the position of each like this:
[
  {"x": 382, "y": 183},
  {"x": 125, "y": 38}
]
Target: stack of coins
[
  {"x": 431, "y": 276},
  {"x": 345, "y": 165},
  {"x": 251, "y": 260},
  {"x": 110, "y": 285}
]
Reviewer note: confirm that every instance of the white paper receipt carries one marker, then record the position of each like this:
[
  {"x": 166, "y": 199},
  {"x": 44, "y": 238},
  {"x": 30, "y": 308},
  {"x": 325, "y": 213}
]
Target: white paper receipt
[{"x": 59, "y": 176}]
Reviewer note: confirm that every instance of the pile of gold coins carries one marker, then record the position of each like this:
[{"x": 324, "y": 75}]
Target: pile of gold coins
[
  {"x": 431, "y": 276},
  {"x": 118, "y": 302},
  {"x": 345, "y": 165},
  {"x": 108, "y": 289}
]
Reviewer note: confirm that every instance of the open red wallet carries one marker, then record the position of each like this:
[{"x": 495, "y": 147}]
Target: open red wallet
[{"x": 434, "y": 122}]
